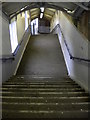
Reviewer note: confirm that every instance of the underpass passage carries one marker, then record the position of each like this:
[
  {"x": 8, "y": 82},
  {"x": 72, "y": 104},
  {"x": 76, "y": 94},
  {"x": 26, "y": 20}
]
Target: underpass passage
[{"x": 43, "y": 57}]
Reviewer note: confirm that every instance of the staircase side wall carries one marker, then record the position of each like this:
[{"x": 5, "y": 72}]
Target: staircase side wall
[
  {"x": 10, "y": 67},
  {"x": 78, "y": 46}
]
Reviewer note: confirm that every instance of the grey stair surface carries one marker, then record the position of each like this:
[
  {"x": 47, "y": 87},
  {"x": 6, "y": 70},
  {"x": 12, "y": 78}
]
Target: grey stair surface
[
  {"x": 40, "y": 98},
  {"x": 41, "y": 88},
  {"x": 43, "y": 56}
]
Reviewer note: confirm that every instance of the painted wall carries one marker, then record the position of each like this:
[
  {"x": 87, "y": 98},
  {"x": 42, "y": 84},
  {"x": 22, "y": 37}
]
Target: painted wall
[
  {"x": 10, "y": 67},
  {"x": 6, "y": 47},
  {"x": 82, "y": 23},
  {"x": 0, "y": 46},
  {"x": 78, "y": 46},
  {"x": 20, "y": 27}
]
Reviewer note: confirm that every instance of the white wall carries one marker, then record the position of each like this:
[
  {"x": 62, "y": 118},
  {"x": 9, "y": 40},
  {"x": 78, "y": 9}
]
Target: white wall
[
  {"x": 10, "y": 67},
  {"x": 6, "y": 47},
  {"x": 5, "y": 43},
  {"x": 0, "y": 45},
  {"x": 20, "y": 27},
  {"x": 78, "y": 46}
]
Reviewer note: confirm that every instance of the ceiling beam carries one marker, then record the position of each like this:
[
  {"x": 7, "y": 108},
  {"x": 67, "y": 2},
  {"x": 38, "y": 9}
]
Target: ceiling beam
[
  {"x": 38, "y": 5},
  {"x": 37, "y": 12},
  {"x": 82, "y": 6},
  {"x": 5, "y": 14},
  {"x": 58, "y": 8},
  {"x": 78, "y": 12},
  {"x": 34, "y": 15},
  {"x": 48, "y": 15},
  {"x": 27, "y": 8}
]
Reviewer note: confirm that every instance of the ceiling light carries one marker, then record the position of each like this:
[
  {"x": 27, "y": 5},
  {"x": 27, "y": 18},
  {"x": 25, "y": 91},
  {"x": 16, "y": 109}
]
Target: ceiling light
[
  {"x": 22, "y": 9},
  {"x": 70, "y": 11},
  {"x": 66, "y": 9},
  {"x": 42, "y": 9},
  {"x": 25, "y": 7},
  {"x": 41, "y": 15}
]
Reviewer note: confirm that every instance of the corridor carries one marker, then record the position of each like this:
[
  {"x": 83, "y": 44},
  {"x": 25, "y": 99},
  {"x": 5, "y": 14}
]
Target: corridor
[{"x": 44, "y": 60}]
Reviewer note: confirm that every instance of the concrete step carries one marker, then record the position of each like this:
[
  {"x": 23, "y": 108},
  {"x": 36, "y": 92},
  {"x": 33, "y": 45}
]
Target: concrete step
[
  {"x": 30, "y": 99},
  {"x": 43, "y": 89},
  {"x": 45, "y": 106},
  {"x": 44, "y": 98},
  {"x": 39, "y": 83},
  {"x": 28, "y": 78},
  {"x": 41, "y": 86},
  {"x": 44, "y": 114},
  {"x": 44, "y": 94},
  {"x": 39, "y": 77}
]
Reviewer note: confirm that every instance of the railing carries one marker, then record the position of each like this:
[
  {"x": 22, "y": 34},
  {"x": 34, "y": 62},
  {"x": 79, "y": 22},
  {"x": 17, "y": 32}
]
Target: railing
[
  {"x": 9, "y": 57},
  {"x": 12, "y": 56},
  {"x": 17, "y": 48},
  {"x": 71, "y": 56}
]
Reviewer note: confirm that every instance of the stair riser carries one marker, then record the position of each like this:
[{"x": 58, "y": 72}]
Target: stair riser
[
  {"x": 41, "y": 90},
  {"x": 45, "y": 114},
  {"x": 43, "y": 95},
  {"x": 45, "y": 107},
  {"x": 38, "y": 83},
  {"x": 45, "y": 87},
  {"x": 45, "y": 100}
]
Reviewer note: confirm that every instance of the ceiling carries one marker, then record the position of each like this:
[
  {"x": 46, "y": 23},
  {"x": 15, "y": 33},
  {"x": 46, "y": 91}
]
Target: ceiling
[
  {"x": 11, "y": 9},
  {"x": 34, "y": 13}
]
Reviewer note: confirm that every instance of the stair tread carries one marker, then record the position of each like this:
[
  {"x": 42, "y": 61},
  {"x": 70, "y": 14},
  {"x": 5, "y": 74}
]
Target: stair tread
[
  {"x": 43, "y": 98},
  {"x": 45, "y": 114}
]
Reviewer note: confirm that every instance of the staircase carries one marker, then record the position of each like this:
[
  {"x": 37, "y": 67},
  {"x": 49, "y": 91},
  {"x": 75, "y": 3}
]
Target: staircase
[{"x": 43, "y": 97}]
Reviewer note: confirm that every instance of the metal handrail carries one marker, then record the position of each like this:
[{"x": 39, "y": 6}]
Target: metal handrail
[
  {"x": 71, "y": 56},
  {"x": 17, "y": 48},
  {"x": 12, "y": 56},
  {"x": 9, "y": 57}
]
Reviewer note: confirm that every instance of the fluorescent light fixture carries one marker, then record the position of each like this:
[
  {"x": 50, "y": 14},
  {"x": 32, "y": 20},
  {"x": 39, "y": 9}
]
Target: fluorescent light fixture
[
  {"x": 25, "y": 7},
  {"x": 22, "y": 9},
  {"x": 70, "y": 11},
  {"x": 41, "y": 15},
  {"x": 66, "y": 9},
  {"x": 42, "y": 9}
]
